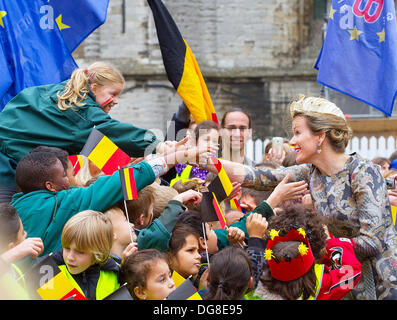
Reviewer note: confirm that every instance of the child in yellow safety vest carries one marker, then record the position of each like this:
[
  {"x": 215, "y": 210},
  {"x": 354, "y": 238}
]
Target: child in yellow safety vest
[
  {"x": 87, "y": 240},
  {"x": 206, "y": 133},
  {"x": 14, "y": 246}
]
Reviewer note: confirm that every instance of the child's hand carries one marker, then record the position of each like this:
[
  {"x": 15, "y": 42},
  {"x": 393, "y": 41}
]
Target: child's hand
[
  {"x": 189, "y": 196},
  {"x": 307, "y": 201},
  {"x": 392, "y": 197},
  {"x": 256, "y": 225},
  {"x": 203, "y": 284},
  {"x": 235, "y": 235},
  {"x": 128, "y": 251},
  {"x": 235, "y": 191},
  {"x": 30, "y": 246},
  {"x": 287, "y": 191}
]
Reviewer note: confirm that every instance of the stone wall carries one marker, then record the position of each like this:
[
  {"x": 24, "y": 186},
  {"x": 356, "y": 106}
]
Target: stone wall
[{"x": 255, "y": 54}]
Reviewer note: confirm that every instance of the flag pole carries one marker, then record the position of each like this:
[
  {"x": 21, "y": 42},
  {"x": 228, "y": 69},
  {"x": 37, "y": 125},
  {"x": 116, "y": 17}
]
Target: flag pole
[
  {"x": 205, "y": 242},
  {"x": 128, "y": 218}
]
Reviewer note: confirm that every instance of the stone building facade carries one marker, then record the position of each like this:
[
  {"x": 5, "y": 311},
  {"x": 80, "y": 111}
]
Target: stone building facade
[{"x": 254, "y": 54}]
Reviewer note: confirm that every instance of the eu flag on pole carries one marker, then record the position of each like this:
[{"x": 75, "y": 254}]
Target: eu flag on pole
[
  {"x": 37, "y": 38},
  {"x": 359, "y": 53}
]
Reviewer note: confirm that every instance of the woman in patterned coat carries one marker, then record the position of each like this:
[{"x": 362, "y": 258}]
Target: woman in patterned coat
[{"x": 348, "y": 190}]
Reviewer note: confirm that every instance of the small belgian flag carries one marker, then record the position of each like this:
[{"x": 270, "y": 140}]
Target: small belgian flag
[
  {"x": 219, "y": 212},
  {"x": 184, "y": 291},
  {"x": 128, "y": 183},
  {"x": 106, "y": 155},
  {"x": 223, "y": 178},
  {"x": 46, "y": 281}
]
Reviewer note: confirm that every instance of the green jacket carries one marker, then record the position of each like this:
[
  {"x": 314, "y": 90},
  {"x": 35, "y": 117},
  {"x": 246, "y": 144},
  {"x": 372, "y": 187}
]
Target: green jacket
[
  {"x": 158, "y": 233},
  {"x": 32, "y": 118},
  {"x": 44, "y": 213}
]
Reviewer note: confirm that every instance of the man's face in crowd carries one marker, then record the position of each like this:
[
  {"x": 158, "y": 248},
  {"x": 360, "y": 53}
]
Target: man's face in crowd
[{"x": 236, "y": 131}]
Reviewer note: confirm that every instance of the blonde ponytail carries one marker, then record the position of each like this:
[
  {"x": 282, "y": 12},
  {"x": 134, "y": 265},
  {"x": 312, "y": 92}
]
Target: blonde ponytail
[{"x": 77, "y": 88}]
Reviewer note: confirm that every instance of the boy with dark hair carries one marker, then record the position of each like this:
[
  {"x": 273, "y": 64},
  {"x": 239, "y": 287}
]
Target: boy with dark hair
[
  {"x": 63, "y": 156},
  {"x": 41, "y": 171}
]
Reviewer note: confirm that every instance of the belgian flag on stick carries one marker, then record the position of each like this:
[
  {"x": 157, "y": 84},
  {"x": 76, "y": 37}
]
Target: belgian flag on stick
[
  {"x": 181, "y": 65},
  {"x": 219, "y": 212},
  {"x": 107, "y": 156},
  {"x": 221, "y": 179},
  {"x": 46, "y": 281},
  {"x": 128, "y": 183}
]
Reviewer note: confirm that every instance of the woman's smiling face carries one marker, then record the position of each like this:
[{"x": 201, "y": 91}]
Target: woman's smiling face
[{"x": 304, "y": 141}]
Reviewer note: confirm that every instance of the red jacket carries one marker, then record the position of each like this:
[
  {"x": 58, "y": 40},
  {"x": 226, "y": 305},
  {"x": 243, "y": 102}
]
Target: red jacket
[{"x": 341, "y": 272}]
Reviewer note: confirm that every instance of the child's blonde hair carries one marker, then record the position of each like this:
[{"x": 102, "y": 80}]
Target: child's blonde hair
[
  {"x": 90, "y": 231},
  {"x": 76, "y": 89},
  {"x": 162, "y": 194}
]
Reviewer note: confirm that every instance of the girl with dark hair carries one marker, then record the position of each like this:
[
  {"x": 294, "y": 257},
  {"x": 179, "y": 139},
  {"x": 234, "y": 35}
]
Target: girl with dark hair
[
  {"x": 230, "y": 275},
  {"x": 296, "y": 267}
]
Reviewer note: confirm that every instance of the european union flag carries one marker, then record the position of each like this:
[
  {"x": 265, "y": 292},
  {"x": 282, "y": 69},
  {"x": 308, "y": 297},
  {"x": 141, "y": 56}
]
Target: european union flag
[
  {"x": 37, "y": 38},
  {"x": 77, "y": 18},
  {"x": 359, "y": 53}
]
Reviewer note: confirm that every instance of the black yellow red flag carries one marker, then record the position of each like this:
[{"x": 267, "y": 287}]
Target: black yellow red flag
[
  {"x": 181, "y": 66},
  {"x": 104, "y": 153},
  {"x": 46, "y": 281},
  {"x": 128, "y": 183},
  {"x": 185, "y": 291}
]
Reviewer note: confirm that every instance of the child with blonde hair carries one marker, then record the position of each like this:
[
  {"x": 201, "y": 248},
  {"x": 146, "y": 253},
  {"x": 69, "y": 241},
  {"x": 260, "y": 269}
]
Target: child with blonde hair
[
  {"x": 87, "y": 240},
  {"x": 123, "y": 245},
  {"x": 147, "y": 275}
]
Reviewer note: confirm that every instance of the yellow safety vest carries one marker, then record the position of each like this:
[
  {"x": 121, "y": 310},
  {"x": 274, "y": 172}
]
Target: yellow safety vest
[
  {"x": 184, "y": 176},
  {"x": 107, "y": 282}
]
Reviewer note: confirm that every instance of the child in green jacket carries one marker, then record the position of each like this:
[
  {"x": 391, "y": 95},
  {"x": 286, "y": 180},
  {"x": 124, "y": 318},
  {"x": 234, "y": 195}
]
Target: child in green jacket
[{"x": 44, "y": 211}]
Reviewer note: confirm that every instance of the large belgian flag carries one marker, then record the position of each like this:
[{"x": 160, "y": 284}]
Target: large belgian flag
[
  {"x": 181, "y": 65},
  {"x": 106, "y": 155}
]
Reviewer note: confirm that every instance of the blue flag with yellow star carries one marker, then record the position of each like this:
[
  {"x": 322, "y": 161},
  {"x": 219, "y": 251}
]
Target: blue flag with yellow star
[
  {"x": 359, "y": 53},
  {"x": 78, "y": 18},
  {"x": 37, "y": 38}
]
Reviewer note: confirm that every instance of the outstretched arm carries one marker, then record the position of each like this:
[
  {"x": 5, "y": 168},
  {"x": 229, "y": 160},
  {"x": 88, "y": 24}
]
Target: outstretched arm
[{"x": 260, "y": 179}]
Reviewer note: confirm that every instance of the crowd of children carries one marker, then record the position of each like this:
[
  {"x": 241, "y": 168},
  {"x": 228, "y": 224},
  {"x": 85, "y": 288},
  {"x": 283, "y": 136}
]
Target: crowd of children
[
  {"x": 275, "y": 244},
  {"x": 100, "y": 243}
]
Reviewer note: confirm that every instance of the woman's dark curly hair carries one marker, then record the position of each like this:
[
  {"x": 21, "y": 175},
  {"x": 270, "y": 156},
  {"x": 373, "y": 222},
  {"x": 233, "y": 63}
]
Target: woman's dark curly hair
[{"x": 295, "y": 215}]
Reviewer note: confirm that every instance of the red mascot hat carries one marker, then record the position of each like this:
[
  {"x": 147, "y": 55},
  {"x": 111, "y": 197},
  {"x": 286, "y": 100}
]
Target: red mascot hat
[{"x": 289, "y": 268}]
